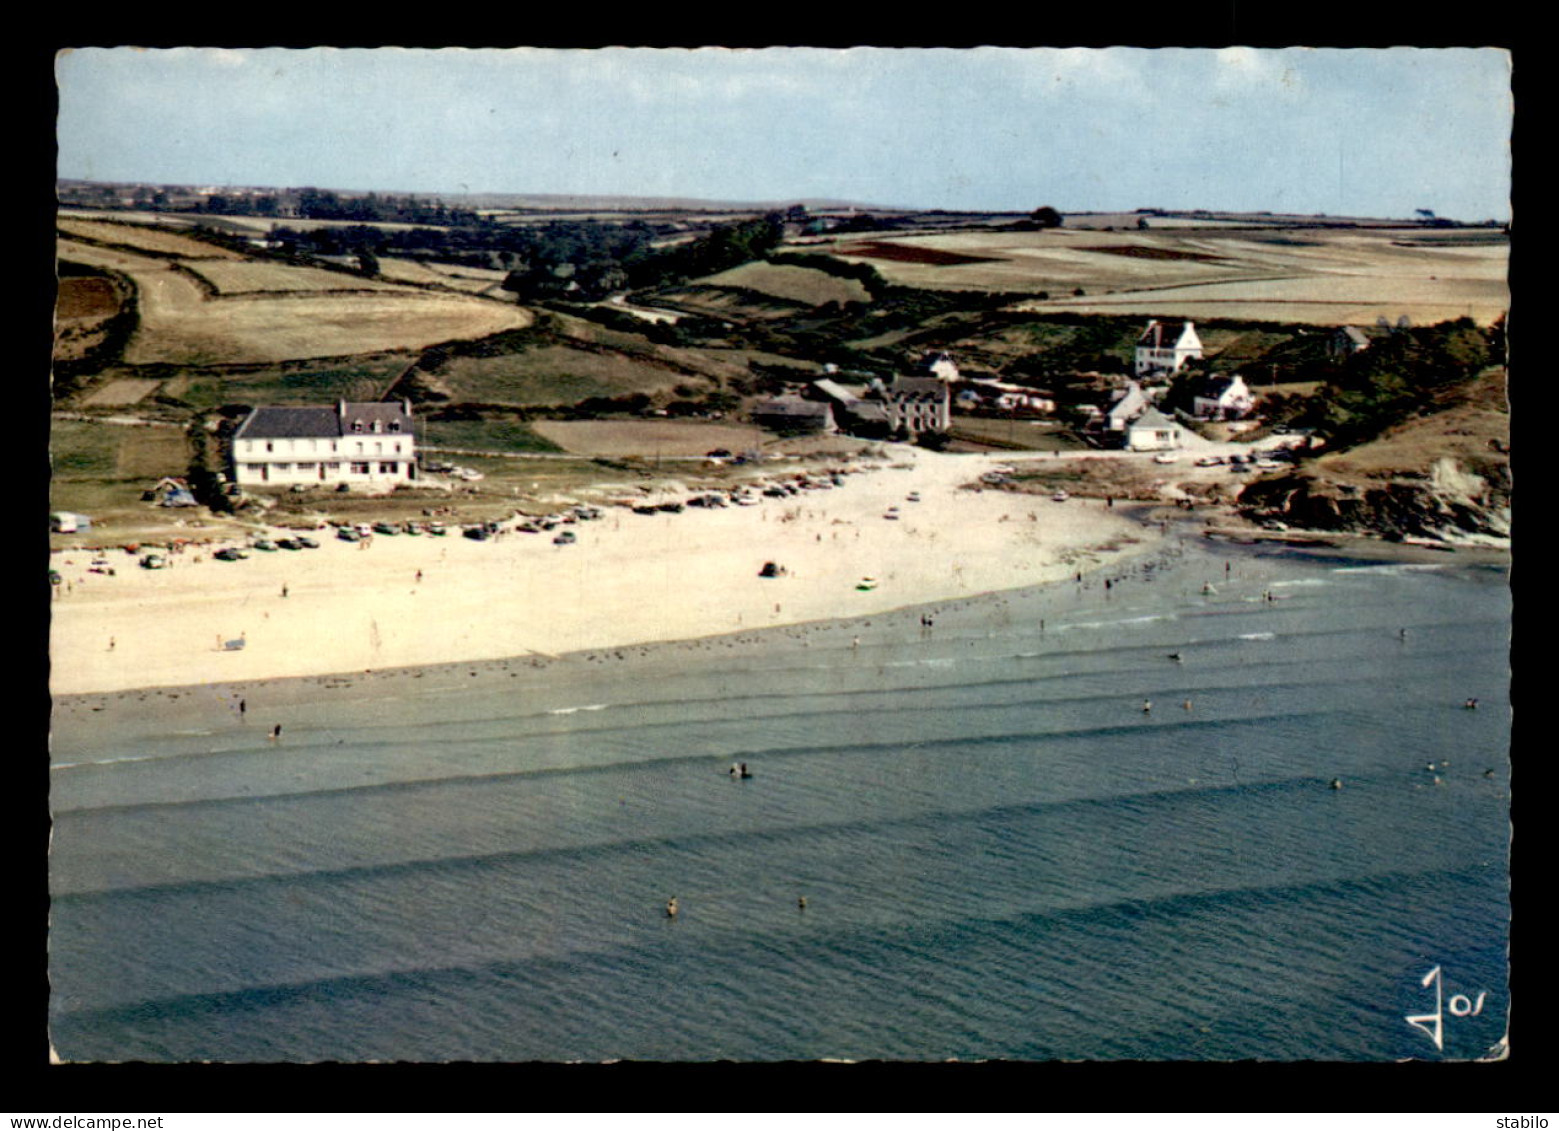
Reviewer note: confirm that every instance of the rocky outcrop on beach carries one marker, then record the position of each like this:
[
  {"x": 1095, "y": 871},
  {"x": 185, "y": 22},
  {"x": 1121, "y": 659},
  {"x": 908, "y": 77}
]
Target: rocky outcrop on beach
[
  {"x": 1442, "y": 475},
  {"x": 1450, "y": 502}
]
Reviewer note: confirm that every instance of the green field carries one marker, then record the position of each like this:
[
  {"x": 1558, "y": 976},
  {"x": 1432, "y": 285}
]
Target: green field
[
  {"x": 361, "y": 379},
  {"x": 485, "y": 435},
  {"x": 101, "y": 470},
  {"x": 553, "y": 375}
]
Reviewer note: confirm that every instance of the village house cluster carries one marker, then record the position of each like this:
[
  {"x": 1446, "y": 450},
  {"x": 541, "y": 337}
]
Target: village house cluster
[
  {"x": 923, "y": 401},
  {"x": 373, "y": 446}
]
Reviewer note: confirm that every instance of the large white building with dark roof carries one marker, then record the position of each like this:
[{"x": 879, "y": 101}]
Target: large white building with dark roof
[{"x": 360, "y": 444}]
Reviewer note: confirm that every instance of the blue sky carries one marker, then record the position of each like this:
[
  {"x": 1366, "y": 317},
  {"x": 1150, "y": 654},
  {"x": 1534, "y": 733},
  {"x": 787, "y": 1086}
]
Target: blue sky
[{"x": 1361, "y": 132}]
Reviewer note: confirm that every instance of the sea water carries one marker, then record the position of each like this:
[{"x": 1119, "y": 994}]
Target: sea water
[{"x": 1232, "y": 805}]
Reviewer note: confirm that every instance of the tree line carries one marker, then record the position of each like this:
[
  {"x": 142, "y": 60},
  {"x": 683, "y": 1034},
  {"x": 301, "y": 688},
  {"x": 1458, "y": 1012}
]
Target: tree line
[{"x": 583, "y": 260}]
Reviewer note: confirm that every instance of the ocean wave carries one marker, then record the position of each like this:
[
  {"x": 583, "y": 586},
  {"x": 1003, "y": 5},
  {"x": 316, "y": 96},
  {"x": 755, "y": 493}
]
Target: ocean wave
[
  {"x": 1149, "y": 619},
  {"x": 1394, "y": 569}
]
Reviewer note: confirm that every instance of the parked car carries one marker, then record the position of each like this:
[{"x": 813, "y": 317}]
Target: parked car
[
  {"x": 1210, "y": 461},
  {"x": 289, "y": 544},
  {"x": 154, "y": 561},
  {"x": 265, "y": 545},
  {"x": 348, "y": 534},
  {"x": 385, "y": 528},
  {"x": 477, "y": 533},
  {"x": 566, "y": 538},
  {"x": 229, "y": 554}
]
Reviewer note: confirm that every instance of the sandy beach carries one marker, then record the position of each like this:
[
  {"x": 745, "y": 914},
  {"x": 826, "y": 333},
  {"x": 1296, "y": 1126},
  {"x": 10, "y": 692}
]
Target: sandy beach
[{"x": 411, "y": 601}]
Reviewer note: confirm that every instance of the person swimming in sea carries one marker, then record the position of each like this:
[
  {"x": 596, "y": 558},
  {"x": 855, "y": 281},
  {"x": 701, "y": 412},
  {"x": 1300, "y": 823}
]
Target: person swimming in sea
[{"x": 671, "y": 908}]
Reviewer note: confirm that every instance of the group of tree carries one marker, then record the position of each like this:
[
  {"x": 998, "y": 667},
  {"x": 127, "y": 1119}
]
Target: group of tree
[
  {"x": 1403, "y": 375},
  {"x": 576, "y": 269}
]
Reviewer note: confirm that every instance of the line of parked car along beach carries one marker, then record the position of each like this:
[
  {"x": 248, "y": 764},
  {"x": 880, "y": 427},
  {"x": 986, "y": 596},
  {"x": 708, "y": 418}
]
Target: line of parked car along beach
[{"x": 745, "y": 495}]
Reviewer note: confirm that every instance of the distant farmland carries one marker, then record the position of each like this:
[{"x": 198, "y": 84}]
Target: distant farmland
[
  {"x": 1319, "y": 276},
  {"x": 180, "y": 323},
  {"x": 261, "y": 276},
  {"x": 789, "y": 282},
  {"x": 140, "y": 238},
  {"x": 917, "y": 252}
]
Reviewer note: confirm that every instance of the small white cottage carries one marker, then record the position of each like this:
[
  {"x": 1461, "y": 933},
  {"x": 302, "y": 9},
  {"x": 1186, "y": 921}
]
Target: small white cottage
[{"x": 1153, "y": 432}]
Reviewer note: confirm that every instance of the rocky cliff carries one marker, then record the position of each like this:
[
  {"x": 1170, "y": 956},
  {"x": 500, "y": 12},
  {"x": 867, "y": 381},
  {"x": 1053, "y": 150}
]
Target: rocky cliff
[
  {"x": 1444, "y": 476},
  {"x": 1450, "y": 502}
]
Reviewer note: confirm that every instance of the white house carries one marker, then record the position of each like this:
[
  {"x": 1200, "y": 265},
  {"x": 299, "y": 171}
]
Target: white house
[
  {"x": 1152, "y": 432},
  {"x": 1163, "y": 349},
  {"x": 1222, "y": 398},
  {"x": 939, "y": 363},
  {"x": 362, "y": 444}
]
